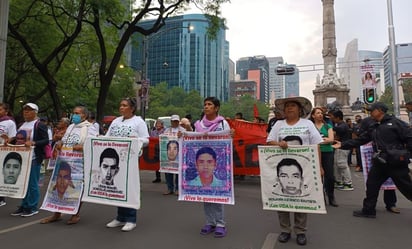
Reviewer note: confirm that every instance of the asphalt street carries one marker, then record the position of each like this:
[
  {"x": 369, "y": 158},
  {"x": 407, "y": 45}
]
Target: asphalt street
[{"x": 164, "y": 222}]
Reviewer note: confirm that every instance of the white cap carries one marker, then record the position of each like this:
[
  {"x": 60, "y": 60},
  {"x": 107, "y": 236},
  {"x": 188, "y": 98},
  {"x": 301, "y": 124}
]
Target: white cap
[
  {"x": 32, "y": 106},
  {"x": 175, "y": 118}
]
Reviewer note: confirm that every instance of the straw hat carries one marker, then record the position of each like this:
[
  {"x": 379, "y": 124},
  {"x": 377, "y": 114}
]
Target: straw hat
[{"x": 303, "y": 102}]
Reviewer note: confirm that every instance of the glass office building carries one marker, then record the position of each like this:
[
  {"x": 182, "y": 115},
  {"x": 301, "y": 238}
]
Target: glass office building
[
  {"x": 255, "y": 68},
  {"x": 182, "y": 55},
  {"x": 404, "y": 61}
]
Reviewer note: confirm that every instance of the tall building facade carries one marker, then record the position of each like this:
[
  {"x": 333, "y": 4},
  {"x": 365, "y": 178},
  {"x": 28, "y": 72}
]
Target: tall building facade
[
  {"x": 182, "y": 55},
  {"x": 255, "y": 68},
  {"x": 292, "y": 83},
  {"x": 404, "y": 61},
  {"x": 276, "y": 82}
]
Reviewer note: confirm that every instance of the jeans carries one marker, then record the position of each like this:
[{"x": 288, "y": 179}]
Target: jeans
[
  {"x": 31, "y": 200},
  {"x": 126, "y": 214},
  {"x": 172, "y": 187},
  {"x": 214, "y": 213},
  {"x": 341, "y": 167}
]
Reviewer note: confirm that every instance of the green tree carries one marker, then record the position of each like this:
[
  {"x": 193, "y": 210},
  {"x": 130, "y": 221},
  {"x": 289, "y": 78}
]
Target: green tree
[
  {"x": 387, "y": 96},
  {"x": 166, "y": 102},
  {"x": 46, "y": 48},
  {"x": 103, "y": 27},
  {"x": 245, "y": 105},
  {"x": 407, "y": 89}
]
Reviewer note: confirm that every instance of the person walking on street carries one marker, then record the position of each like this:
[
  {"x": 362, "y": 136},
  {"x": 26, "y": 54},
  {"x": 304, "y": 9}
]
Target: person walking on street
[
  {"x": 392, "y": 143},
  {"x": 389, "y": 195}
]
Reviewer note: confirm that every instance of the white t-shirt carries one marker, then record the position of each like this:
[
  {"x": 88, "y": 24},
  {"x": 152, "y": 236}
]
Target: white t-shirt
[
  {"x": 305, "y": 129},
  {"x": 29, "y": 128},
  {"x": 76, "y": 134},
  {"x": 7, "y": 127},
  {"x": 132, "y": 127},
  {"x": 171, "y": 131}
]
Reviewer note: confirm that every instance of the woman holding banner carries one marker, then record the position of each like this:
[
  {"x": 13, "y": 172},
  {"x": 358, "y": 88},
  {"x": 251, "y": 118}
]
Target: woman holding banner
[
  {"x": 211, "y": 122},
  {"x": 295, "y": 110},
  {"x": 7, "y": 130},
  {"x": 74, "y": 137},
  {"x": 127, "y": 125}
]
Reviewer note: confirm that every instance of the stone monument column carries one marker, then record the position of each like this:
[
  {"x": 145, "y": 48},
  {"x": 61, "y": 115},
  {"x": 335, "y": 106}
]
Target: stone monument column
[
  {"x": 331, "y": 91},
  {"x": 329, "y": 50}
]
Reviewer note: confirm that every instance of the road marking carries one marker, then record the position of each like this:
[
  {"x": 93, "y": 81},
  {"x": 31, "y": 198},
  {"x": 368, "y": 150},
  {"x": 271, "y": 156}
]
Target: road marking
[
  {"x": 270, "y": 241},
  {"x": 19, "y": 226}
]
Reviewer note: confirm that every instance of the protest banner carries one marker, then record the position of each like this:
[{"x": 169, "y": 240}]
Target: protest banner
[
  {"x": 16, "y": 162},
  {"x": 366, "y": 151},
  {"x": 206, "y": 172},
  {"x": 112, "y": 171},
  {"x": 291, "y": 179},
  {"x": 247, "y": 137},
  {"x": 66, "y": 185},
  {"x": 51, "y": 163},
  {"x": 169, "y": 154}
]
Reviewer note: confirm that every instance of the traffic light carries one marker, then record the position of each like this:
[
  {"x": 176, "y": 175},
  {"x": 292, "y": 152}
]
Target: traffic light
[
  {"x": 369, "y": 95},
  {"x": 285, "y": 69}
]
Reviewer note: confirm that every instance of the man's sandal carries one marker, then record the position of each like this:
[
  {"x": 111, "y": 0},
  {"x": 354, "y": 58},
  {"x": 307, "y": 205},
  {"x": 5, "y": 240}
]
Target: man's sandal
[
  {"x": 55, "y": 217},
  {"x": 220, "y": 232},
  {"x": 207, "y": 229}
]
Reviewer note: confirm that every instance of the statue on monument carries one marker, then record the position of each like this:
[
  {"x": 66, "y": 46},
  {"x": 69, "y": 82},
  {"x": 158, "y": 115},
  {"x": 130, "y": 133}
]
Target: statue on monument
[
  {"x": 331, "y": 78},
  {"x": 357, "y": 105}
]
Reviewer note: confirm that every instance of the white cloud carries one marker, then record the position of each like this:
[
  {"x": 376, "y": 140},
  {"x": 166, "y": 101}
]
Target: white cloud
[{"x": 293, "y": 29}]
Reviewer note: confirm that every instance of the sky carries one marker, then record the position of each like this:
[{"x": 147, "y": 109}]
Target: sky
[{"x": 293, "y": 29}]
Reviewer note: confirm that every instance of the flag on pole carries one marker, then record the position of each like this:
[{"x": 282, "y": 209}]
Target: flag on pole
[{"x": 255, "y": 110}]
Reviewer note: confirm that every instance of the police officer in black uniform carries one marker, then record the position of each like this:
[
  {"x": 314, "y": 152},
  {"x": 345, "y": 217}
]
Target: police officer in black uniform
[{"x": 392, "y": 140}]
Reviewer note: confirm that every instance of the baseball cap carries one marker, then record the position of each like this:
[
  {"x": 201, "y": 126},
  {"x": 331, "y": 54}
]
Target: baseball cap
[
  {"x": 32, "y": 106},
  {"x": 175, "y": 118},
  {"x": 378, "y": 105}
]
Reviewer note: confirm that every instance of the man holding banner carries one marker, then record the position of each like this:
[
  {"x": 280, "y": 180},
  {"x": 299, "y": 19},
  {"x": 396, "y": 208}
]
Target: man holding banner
[{"x": 37, "y": 138}]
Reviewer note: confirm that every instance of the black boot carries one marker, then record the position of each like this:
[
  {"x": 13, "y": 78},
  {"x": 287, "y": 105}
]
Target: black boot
[{"x": 332, "y": 201}]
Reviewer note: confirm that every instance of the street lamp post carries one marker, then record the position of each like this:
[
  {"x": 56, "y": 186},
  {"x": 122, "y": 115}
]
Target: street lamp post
[
  {"x": 394, "y": 68},
  {"x": 144, "y": 90},
  {"x": 145, "y": 82}
]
